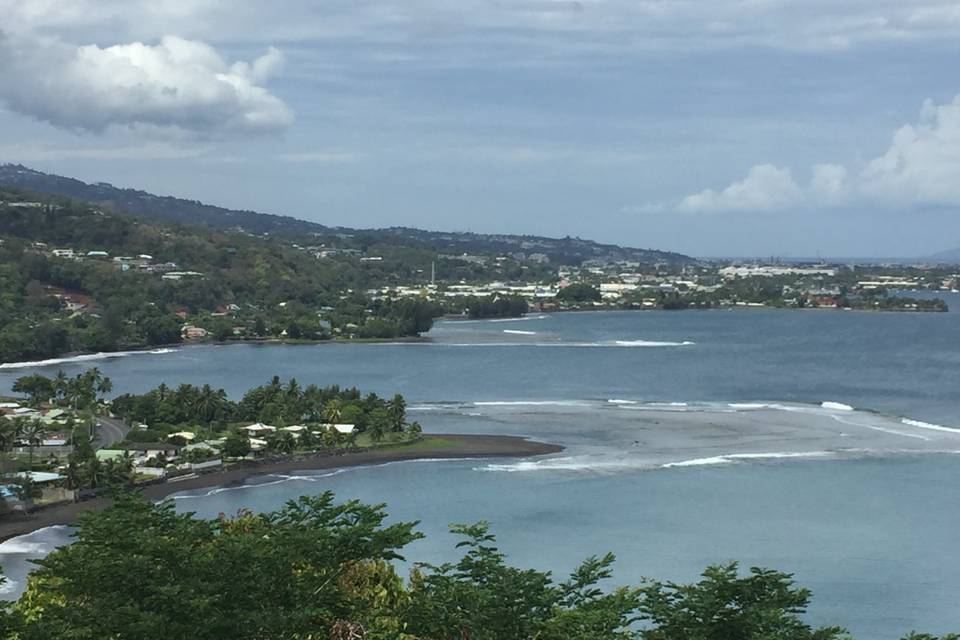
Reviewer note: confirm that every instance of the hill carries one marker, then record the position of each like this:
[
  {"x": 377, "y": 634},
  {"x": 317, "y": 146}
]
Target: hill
[
  {"x": 76, "y": 278},
  {"x": 170, "y": 209}
]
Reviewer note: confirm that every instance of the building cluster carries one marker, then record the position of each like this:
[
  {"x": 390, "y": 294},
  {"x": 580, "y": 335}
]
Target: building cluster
[{"x": 143, "y": 263}]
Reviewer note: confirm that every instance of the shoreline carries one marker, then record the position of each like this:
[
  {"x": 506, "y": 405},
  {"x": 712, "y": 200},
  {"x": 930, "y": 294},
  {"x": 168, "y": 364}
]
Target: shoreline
[
  {"x": 432, "y": 447},
  {"x": 78, "y": 356}
]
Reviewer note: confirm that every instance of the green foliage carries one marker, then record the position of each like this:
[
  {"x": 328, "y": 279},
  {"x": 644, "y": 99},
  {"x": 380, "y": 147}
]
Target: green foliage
[
  {"x": 579, "y": 292},
  {"x": 499, "y": 307},
  {"x": 274, "y": 403},
  {"x": 317, "y": 570},
  {"x": 139, "y": 570},
  {"x": 83, "y": 391},
  {"x": 761, "y": 605},
  {"x": 236, "y": 446}
]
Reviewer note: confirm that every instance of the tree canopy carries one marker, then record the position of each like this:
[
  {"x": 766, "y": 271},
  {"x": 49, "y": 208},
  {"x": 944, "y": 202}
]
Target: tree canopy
[{"x": 317, "y": 569}]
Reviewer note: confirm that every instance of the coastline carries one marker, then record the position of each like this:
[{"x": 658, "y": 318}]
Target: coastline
[
  {"x": 432, "y": 446},
  {"x": 75, "y": 356}
]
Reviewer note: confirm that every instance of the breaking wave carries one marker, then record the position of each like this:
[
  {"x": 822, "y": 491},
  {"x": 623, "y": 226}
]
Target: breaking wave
[
  {"x": 532, "y": 403},
  {"x": 653, "y": 343},
  {"x": 736, "y": 457},
  {"x": 83, "y": 358},
  {"x": 928, "y": 425},
  {"x": 836, "y": 406},
  {"x": 520, "y": 333}
]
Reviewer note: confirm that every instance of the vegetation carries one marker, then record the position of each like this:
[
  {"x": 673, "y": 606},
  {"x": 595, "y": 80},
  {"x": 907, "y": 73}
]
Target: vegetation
[
  {"x": 578, "y": 293},
  {"x": 499, "y": 307},
  {"x": 168, "y": 410},
  {"x": 237, "y": 286},
  {"x": 316, "y": 569}
]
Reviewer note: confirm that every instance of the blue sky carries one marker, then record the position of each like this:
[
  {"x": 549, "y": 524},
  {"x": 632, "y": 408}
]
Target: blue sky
[{"x": 731, "y": 127}]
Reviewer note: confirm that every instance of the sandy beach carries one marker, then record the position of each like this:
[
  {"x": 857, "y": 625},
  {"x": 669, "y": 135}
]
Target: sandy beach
[{"x": 449, "y": 446}]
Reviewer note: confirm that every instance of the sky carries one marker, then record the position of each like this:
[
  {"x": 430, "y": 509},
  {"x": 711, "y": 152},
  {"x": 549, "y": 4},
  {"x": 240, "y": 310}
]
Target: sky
[{"x": 713, "y": 127}]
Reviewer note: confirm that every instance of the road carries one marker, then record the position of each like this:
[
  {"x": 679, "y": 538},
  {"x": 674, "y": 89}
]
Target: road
[{"x": 109, "y": 430}]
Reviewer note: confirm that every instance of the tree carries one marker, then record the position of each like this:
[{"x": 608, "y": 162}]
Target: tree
[
  {"x": 39, "y": 388},
  {"x": 297, "y": 572},
  {"x": 209, "y": 403},
  {"x": 9, "y": 431},
  {"x": 482, "y": 598},
  {"x": 579, "y": 292},
  {"x": 332, "y": 411},
  {"x": 379, "y": 424},
  {"x": 281, "y": 442},
  {"x": 397, "y": 412},
  {"x": 236, "y": 445},
  {"x": 32, "y": 433},
  {"x": 761, "y": 605}
]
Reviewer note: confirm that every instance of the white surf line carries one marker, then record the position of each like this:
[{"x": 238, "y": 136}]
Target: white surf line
[
  {"x": 729, "y": 458},
  {"x": 876, "y": 428},
  {"x": 927, "y": 425},
  {"x": 87, "y": 357}
]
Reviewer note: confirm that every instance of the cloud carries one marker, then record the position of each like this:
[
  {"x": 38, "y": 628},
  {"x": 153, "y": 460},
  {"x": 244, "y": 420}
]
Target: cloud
[
  {"x": 177, "y": 84},
  {"x": 921, "y": 166},
  {"x": 686, "y": 25},
  {"x": 319, "y": 157},
  {"x": 765, "y": 187}
]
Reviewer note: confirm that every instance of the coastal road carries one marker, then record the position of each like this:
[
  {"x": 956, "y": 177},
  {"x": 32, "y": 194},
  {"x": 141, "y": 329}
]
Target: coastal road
[{"x": 109, "y": 430}]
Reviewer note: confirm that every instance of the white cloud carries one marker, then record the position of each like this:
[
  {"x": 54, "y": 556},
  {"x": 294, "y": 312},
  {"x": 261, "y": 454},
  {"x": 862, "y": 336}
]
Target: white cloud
[
  {"x": 922, "y": 163},
  {"x": 829, "y": 183},
  {"x": 920, "y": 167},
  {"x": 176, "y": 84},
  {"x": 765, "y": 187},
  {"x": 687, "y": 24}
]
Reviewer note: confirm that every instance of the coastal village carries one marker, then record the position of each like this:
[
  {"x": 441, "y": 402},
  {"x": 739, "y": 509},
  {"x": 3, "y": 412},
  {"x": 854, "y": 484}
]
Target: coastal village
[
  {"x": 601, "y": 283},
  {"x": 64, "y": 441}
]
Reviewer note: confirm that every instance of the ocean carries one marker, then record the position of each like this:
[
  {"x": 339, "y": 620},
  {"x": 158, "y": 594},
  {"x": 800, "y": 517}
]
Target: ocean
[{"x": 823, "y": 443}]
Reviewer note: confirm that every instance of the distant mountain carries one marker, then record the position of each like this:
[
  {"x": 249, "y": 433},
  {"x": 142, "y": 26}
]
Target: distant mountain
[
  {"x": 949, "y": 256},
  {"x": 167, "y": 208}
]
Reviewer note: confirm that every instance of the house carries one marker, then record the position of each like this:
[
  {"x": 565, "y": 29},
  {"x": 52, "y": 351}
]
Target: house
[
  {"x": 297, "y": 430},
  {"x": 189, "y": 436},
  {"x": 97, "y": 254},
  {"x": 212, "y": 446},
  {"x": 147, "y": 450},
  {"x": 258, "y": 429},
  {"x": 191, "y": 332},
  {"x": 63, "y": 253},
  {"x": 345, "y": 429}
]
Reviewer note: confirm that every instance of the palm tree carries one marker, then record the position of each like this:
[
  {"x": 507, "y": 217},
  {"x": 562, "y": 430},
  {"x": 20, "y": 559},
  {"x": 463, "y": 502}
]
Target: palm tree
[
  {"x": 397, "y": 409},
  {"x": 94, "y": 472},
  {"x": 104, "y": 386},
  {"x": 60, "y": 382},
  {"x": 8, "y": 436},
  {"x": 209, "y": 403},
  {"x": 32, "y": 432},
  {"x": 332, "y": 411},
  {"x": 313, "y": 402},
  {"x": 378, "y": 426}
]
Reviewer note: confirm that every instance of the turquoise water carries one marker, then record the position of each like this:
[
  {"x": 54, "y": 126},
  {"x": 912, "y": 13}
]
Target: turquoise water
[{"x": 872, "y": 533}]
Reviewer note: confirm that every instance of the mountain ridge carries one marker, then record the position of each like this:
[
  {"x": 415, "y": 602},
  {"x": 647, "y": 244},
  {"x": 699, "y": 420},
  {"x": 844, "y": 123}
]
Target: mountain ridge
[{"x": 153, "y": 207}]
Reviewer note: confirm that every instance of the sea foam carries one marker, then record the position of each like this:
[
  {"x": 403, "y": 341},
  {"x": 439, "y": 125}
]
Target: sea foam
[
  {"x": 82, "y": 358},
  {"x": 928, "y": 425},
  {"x": 836, "y": 406}
]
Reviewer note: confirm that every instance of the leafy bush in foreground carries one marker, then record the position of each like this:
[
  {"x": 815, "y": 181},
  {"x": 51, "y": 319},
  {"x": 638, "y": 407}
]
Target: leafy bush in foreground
[{"x": 317, "y": 570}]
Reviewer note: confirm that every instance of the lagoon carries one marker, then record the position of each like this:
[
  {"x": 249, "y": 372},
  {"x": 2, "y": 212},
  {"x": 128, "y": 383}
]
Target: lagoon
[{"x": 693, "y": 437}]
